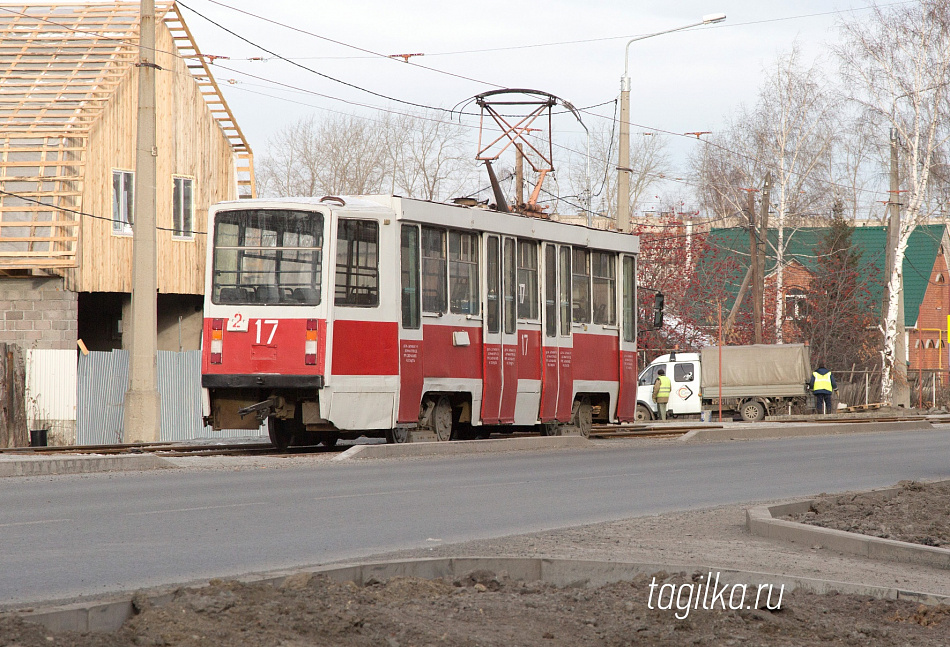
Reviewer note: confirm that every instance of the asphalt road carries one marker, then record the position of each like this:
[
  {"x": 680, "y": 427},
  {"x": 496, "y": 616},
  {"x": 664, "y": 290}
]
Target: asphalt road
[{"x": 79, "y": 535}]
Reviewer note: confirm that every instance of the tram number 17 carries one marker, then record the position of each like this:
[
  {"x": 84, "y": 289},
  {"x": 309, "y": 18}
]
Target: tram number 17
[{"x": 266, "y": 322}]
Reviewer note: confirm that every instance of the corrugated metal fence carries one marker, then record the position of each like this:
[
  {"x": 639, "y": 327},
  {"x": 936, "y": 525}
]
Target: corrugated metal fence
[{"x": 102, "y": 382}]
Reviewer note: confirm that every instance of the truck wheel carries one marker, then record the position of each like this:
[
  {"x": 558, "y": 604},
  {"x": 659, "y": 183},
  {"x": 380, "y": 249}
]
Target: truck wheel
[
  {"x": 752, "y": 411},
  {"x": 643, "y": 414}
]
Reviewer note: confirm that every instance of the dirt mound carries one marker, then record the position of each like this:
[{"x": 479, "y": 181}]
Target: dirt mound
[
  {"x": 919, "y": 513},
  {"x": 486, "y": 608}
]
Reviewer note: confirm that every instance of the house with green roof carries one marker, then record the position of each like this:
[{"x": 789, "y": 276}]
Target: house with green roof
[{"x": 926, "y": 304}]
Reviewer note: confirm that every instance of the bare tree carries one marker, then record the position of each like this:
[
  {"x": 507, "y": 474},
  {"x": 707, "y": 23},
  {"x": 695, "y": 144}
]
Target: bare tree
[
  {"x": 789, "y": 132},
  {"x": 429, "y": 157},
  {"x": 416, "y": 155},
  {"x": 898, "y": 66},
  {"x": 649, "y": 161},
  {"x": 337, "y": 156}
]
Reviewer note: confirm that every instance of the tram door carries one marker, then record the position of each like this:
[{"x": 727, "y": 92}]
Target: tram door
[
  {"x": 492, "y": 367},
  {"x": 627, "y": 400},
  {"x": 557, "y": 380},
  {"x": 509, "y": 330},
  {"x": 411, "y": 374}
]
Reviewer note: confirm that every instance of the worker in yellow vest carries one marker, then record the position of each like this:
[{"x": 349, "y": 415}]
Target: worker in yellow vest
[
  {"x": 661, "y": 392},
  {"x": 822, "y": 384}
]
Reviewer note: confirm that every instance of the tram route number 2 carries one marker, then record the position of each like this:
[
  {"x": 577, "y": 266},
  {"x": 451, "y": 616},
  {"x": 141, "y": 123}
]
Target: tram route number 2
[{"x": 264, "y": 328}]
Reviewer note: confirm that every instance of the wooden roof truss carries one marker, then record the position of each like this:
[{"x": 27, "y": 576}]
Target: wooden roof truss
[{"x": 59, "y": 65}]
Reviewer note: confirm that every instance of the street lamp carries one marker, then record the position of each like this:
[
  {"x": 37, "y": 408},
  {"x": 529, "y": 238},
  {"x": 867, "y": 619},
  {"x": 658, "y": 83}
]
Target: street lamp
[{"x": 623, "y": 167}]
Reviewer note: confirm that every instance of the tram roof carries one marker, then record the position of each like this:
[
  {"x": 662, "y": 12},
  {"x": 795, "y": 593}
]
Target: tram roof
[{"x": 456, "y": 216}]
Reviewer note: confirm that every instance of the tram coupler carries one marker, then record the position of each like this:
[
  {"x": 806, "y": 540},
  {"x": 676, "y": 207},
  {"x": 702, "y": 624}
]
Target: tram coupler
[{"x": 263, "y": 409}]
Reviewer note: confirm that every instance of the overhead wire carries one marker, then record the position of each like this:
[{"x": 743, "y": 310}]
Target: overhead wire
[{"x": 54, "y": 207}]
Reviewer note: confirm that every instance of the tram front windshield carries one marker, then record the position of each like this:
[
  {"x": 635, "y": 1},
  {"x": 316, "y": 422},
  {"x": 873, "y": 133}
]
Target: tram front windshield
[{"x": 267, "y": 256}]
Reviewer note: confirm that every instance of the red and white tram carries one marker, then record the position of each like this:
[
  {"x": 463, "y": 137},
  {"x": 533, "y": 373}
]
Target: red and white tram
[{"x": 381, "y": 315}]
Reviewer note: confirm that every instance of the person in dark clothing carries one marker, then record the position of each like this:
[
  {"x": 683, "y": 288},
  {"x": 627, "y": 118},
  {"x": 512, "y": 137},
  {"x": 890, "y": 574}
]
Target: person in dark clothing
[{"x": 822, "y": 384}]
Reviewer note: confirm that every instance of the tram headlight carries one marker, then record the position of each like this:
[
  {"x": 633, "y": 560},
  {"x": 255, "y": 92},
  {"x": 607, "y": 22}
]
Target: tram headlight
[{"x": 217, "y": 340}]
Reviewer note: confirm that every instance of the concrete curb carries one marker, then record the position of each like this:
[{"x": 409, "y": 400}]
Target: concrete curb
[
  {"x": 761, "y": 521},
  {"x": 467, "y": 447},
  {"x": 790, "y": 430},
  {"x": 48, "y": 466},
  {"x": 110, "y": 613}
]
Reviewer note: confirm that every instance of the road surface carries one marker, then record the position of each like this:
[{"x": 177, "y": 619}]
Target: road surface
[{"x": 67, "y": 536}]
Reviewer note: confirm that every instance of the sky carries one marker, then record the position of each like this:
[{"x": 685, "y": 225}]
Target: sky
[{"x": 687, "y": 81}]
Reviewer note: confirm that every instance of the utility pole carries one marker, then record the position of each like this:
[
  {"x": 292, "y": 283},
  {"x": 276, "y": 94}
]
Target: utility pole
[
  {"x": 754, "y": 266},
  {"x": 142, "y": 403},
  {"x": 901, "y": 390},
  {"x": 762, "y": 240},
  {"x": 623, "y": 157}
]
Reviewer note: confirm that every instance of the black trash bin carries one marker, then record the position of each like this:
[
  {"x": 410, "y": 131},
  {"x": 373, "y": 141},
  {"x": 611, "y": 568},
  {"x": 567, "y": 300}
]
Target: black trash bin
[{"x": 38, "y": 437}]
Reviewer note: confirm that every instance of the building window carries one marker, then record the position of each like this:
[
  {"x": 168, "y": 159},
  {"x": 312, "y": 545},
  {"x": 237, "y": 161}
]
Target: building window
[
  {"x": 357, "y": 263},
  {"x": 183, "y": 207},
  {"x": 123, "y": 192},
  {"x": 795, "y": 304},
  {"x": 463, "y": 273}
]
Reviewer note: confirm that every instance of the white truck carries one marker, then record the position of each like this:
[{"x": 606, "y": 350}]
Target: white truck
[{"x": 757, "y": 380}]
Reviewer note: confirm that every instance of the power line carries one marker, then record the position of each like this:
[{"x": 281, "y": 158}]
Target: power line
[
  {"x": 53, "y": 207},
  {"x": 339, "y": 42},
  {"x": 311, "y": 70}
]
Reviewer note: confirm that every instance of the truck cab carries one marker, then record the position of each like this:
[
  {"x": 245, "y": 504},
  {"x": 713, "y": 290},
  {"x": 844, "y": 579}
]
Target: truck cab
[{"x": 683, "y": 369}]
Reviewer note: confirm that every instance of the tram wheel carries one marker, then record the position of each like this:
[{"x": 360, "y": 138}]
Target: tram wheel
[
  {"x": 397, "y": 436},
  {"x": 551, "y": 429},
  {"x": 442, "y": 419},
  {"x": 280, "y": 432},
  {"x": 329, "y": 440},
  {"x": 583, "y": 415}
]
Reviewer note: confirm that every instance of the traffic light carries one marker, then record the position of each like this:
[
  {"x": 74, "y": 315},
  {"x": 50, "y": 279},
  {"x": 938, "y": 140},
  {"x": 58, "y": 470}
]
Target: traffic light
[{"x": 658, "y": 310}]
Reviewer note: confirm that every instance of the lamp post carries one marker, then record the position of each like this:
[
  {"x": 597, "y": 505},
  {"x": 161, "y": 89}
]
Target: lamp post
[{"x": 623, "y": 166}]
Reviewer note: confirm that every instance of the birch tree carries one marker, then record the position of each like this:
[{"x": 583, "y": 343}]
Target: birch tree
[
  {"x": 790, "y": 132},
  {"x": 898, "y": 65}
]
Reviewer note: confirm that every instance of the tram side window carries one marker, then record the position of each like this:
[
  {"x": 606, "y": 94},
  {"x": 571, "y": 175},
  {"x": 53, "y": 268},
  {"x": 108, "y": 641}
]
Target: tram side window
[
  {"x": 527, "y": 279},
  {"x": 409, "y": 269},
  {"x": 580, "y": 285},
  {"x": 564, "y": 273},
  {"x": 550, "y": 291},
  {"x": 357, "y": 263},
  {"x": 493, "y": 304},
  {"x": 463, "y": 272},
  {"x": 604, "y": 282},
  {"x": 510, "y": 271},
  {"x": 267, "y": 256},
  {"x": 433, "y": 270},
  {"x": 629, "y": 299}
]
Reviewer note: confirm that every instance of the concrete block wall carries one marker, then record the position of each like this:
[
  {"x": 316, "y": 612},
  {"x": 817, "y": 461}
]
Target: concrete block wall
[{"x": 38, "y": 312}]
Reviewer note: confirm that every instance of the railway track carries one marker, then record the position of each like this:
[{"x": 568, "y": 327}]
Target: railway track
[{"x": 599, "y": 431}]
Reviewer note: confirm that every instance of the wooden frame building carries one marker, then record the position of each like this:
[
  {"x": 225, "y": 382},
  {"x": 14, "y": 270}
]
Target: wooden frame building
[{"x": 68, "y": 106}]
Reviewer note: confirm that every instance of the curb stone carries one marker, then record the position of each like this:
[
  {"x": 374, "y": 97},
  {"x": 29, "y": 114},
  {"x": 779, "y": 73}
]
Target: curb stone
[
  {"x": 43, "y": 466},
  {"x": 108, "y": 614},
  {"x": 761, "y": 521}
]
